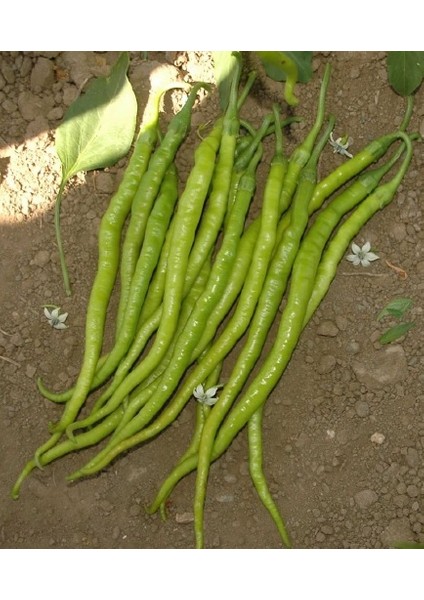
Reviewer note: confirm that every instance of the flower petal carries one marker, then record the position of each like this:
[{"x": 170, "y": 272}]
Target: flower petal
[
  {"x": 366, "y": 247},
  {"x": 55, "y": 313},
  {"x": 47, "y": 313},
  {"x": 210, "y": 401},
  {"x": 353, "y": 259},
  {"x": 355, "y": 248},
  {"x": 211, "y": 391},
  {"x": 62, "y": 318},
  {"x": 198, "y": 391},
  {"x": 60, "y": 325},
  {"x": 371, "y": 256}
]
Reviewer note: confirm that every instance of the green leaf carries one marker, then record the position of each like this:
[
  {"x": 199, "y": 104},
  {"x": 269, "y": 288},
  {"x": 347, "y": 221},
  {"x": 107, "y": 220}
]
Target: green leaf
[
  {"x": 396, "y": 308},
  {"x": 224, "y": 65},
  {"x": 273, "y": 63},
  {"x": 395, "y": 332},
  {"x": 98, "y": 128},
  {"x": 405, "y": 71}
]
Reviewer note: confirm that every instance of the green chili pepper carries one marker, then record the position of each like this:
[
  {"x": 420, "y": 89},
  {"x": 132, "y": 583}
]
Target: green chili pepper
[
  {"x": 84, "y": 440},
  {"x": 302, "y": 153},
  {"x": 114, "y": 218},
  {"x": 301, "y": 290},
  {"x": 324, "y": 225},
  {"x": 202, "y": 411},
  {"x": 352, "y": 167},
  {"x": 186, "y": 220},
  {"x": 190, "y": 337},
  {"x": 109, "y": 237},
  {"x": 140, "y": 210},
  {"x": 293, "y": 234},
  {"x": 188, "y": 348},
  {"x": 380, "y": 198},
  {"x": 258, "y": 391},
  {"x": 271, "y": 297},
  {"x": 239, "y": 321},
  {"x": 101, "y": 409},
  {"x": 154, "y": 295},
  {"x": 257, "y": 474}
]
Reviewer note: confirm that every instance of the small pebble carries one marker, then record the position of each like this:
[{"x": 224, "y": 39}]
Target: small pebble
[
  {"x": 326, "y": 364},
  {"x": 8, "y": 72},
  {"x": 55, "y": 114},
  {"x": 41, "y": 258},
  {"x": 342, "y": 437},
  {"x": 362, "y": 409},
  {"x": 417, "y": 527},
  {"x": 224, "y": 498},
  {"x": 412, "y": 491},
  {"x": 342, "y": 323},
  {"x": 185, "y": 517},
  {"x": 327, "y": 329},
  {"x": 400, "y": 500},
  {"x": 401, "y": 488},
  {"x": 412, "y": 458},
  {"x": 30, "y": 371},
  {"x": 398, "y": 231},
  {"x": 377, "y": 438},
  {"x": 352, "y": 347},
  {"x": 365, "y": 498},
  {"x": 42, "y": 75},
  {"x": 16, "y": 339},
  {"x": 327, "y": 529},
  {"x": 135, "y": 510}
]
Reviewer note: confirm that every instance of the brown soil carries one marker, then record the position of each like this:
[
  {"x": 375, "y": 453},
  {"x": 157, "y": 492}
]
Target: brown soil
[{"x": 337, "y": 484}]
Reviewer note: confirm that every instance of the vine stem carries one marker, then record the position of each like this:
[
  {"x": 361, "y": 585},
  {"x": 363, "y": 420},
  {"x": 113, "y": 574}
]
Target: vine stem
[{"x": 64, "y": 268}]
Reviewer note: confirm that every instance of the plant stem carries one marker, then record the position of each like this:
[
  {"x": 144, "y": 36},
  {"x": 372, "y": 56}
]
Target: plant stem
[
  {"x": 65, "y": 274},
  {"x": 408, "y": 113}
]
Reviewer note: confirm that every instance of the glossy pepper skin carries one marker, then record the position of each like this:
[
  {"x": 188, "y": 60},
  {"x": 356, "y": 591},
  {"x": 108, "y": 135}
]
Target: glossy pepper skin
[
  {"x": 189, "y": 210},
  {"x": 291, "y": 242},
  {"x": 109, "y": 239},
  {"x": 293, "y": 319},
  {"x": 140, "y": 209},
  {"x": 244, "y": 412}
]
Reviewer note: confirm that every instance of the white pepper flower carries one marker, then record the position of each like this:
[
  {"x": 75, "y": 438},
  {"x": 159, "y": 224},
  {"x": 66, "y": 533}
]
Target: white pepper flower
[
  {"x": 56, "y": 320},
  {"x": 362, "y": 256},
  {"x": 340, "y": 145},
  {"x": 206, "y": 397}
]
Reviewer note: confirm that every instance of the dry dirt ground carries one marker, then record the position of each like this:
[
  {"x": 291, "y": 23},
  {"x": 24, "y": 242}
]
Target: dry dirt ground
[{"x": 337, "y": 483}]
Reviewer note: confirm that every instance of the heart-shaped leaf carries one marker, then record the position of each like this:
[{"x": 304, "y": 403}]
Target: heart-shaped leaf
[
  {"x": 405, "y": 71},
  {"x": 98, "y": 128}
]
